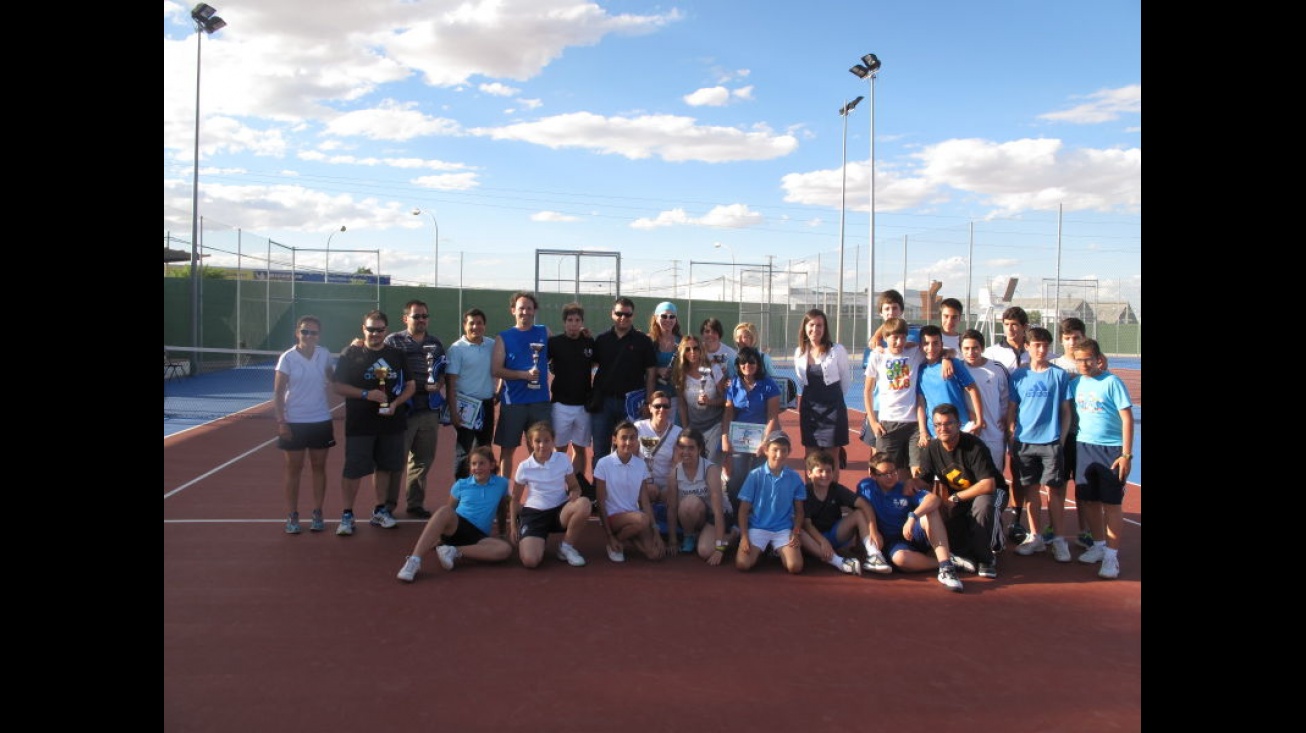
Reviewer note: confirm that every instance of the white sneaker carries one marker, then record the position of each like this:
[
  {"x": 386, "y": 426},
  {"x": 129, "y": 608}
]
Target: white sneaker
[
  {"x": 1093, "y": 554},
  {"x": 383, "y": 519},
  {"x": 948, "y": 576},
  {"x": 1060, "y": 550},
  {"x": 615, "y": 555},
  {"x": 568, "y": 553},
  {"x": 851, "y": 566},
  {"x": 1110, "y": 567},
  {"x": 964, "y": 563},
  {"x": 447, "y": 554},
  {"x": 409, "y": 571},
  {"x": 876, "y": 563},
  {"x": 1032, "y": 544}
]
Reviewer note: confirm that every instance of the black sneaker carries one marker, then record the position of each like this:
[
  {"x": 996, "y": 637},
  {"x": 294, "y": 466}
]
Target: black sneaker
[
  {"x": 419, "y": 512},
  {"x": 989, "y": 569}
]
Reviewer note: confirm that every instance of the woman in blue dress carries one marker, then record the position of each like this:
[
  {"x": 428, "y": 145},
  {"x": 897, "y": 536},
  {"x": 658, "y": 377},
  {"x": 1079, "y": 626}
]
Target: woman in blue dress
[{"x": 823, "y": 374}]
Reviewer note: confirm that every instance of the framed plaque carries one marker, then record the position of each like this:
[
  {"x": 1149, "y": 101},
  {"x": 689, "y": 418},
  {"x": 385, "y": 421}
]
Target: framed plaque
[{"x": 747, "y": 437}]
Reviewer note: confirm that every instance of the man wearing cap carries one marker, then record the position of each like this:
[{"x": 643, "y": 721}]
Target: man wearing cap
[
  {"x": 627, "y": 361},
  {"x": 664, "y": 331},
  {"x": 771, "y": 509}
]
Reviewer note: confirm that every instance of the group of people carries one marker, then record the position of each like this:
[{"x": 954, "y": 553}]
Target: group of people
[{"x": 681, "y": 435}]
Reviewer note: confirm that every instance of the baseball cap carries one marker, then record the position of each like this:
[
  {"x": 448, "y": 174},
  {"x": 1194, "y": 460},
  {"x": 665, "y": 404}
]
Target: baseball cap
[
  {"x": 665, "y": 306},
  {"x": 778, "y": 436}
]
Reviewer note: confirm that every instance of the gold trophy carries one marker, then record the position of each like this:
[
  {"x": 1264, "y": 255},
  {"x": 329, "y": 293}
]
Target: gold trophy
[
  {"x": 704, "y": 373},
  {"x": 536, "y": 348},
  {"x": 381, "y": 373}
]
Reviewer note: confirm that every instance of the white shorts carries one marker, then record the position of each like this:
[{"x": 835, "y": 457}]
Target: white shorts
[
  {"x": 762, "y": 538},
  {"x": 571, "y": 424}
]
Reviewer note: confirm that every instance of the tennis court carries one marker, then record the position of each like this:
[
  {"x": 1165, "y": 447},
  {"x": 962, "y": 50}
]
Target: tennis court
[{"x": 264, "y": 630}]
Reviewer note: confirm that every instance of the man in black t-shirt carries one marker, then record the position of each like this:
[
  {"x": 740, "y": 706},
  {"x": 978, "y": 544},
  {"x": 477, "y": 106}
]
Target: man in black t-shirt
[
  {"x": 571, "y": 359},
  {"x": 627, "y": 361},
  {"x": 959, "y": 468}
]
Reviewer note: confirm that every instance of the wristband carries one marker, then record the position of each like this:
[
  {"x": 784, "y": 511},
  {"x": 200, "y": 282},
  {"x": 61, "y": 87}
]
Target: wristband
[
  {"x": 364, "y": 394},
  {"x": 1126, "y": 455}
]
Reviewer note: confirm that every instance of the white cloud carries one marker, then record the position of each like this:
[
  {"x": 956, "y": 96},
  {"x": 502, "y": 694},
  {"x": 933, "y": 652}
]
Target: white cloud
[
  {"x": 390, "y": 121},
  {"x": 727, "y": 216},
  {"x": 498, "y": 90},
  {"x": 707, "y": 97},
  {"x": 553, "y": 216},
  {"x": 669, "y": 137},
  {"x": 1103, "y": 106}
]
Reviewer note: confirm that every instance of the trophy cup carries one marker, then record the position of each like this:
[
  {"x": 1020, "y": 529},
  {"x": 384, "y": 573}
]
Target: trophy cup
[
  {"x": 704, "y": 373},
  {"x": 647, "y": 444},
  {"x": 381, "y": 373},
  {"x": 536, "y": 348},
  {"x": 431, "y": 383}
]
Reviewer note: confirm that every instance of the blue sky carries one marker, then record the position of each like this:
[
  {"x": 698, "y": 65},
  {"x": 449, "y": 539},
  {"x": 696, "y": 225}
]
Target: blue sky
[{"x": 658, "y": 129}]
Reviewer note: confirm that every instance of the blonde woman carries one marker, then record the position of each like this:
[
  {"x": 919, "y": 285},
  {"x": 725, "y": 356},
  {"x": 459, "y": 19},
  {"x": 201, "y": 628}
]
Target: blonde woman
[
  {"x": 702, "y": 396},
  {"x": 746, "y": 335}
]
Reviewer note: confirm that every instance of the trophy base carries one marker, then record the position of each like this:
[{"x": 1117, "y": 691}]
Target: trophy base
[
  {"x": 532, "y": 385},
  {"x": 385, "y": 410},
  {"x": 432, "y": 386}
]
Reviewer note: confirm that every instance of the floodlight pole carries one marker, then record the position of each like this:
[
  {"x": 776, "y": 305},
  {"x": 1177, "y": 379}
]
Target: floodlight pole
[
  {"x": 844, "y": 111},
  {"x": 205, "y": 22}
]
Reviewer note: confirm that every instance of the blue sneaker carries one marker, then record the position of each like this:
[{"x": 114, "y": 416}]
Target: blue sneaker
[
  {"x": 689, "y": 543},
  {"x": 346, "y": 527},
  {"x": 292, "y": 524},
  {"x": 1085, "y": 540},
  {"x": 318, "y": 525}
]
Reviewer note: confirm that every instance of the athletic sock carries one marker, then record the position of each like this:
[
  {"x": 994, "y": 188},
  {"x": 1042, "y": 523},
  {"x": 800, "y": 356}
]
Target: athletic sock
[{"x": 836, "y": 561}]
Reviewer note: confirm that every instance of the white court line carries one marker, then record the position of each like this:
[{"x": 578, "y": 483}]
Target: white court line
[{"x": 212, "y": 471}]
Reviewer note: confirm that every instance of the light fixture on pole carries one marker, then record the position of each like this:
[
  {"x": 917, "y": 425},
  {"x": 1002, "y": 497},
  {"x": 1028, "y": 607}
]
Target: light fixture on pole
[
  {"x": 844, "y": 111},
  {"x": 206, "y": 22},
  {"x": 734, "y": 266},
  {"x": 418, "y": 212},
  {"x": 867, "y": 70},
  {"x": 327, "y": 278}
]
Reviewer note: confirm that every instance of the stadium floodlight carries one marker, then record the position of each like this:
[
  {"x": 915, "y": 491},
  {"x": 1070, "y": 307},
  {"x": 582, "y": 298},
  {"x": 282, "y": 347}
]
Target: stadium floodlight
[
  {"x": 206, "y": 22},
  {"x": 867, "y": 70}
]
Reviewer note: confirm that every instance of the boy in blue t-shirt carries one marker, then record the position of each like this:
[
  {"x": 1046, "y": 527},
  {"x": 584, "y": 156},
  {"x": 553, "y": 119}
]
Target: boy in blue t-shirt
[
  {"x": 907, "y": 524},
  {"x": 1039, "y": 412},
  {"x": 1105, "y": 453},
  {"x": 771, "y": 508}
]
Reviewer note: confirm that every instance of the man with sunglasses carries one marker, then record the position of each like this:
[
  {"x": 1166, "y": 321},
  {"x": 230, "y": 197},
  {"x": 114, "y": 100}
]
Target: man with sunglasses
[
  {"x": 627, "y": 360},
  {"x": 376, "y": 385},
  {"x": 422, "y": 435}
]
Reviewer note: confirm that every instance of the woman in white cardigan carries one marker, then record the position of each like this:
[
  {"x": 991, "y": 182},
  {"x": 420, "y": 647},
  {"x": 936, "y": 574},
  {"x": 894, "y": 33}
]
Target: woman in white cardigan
[{"x": 824, "y": 375}]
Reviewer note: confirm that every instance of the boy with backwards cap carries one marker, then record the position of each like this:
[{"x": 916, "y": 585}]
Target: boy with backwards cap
[{"x": 771, "y": 508}]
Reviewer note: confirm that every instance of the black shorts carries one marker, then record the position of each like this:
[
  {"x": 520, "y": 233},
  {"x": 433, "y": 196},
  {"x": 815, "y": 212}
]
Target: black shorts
[
  {"x": 465, "y": 534},
  {"x": 308, "y": 435},
  {"x": 540, "y": 522}
]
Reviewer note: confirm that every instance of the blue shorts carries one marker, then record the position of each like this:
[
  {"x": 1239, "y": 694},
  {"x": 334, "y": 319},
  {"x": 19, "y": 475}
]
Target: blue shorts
[
  {"x": 918, "y": 543},
  {"x": 1095, "y": 480}
]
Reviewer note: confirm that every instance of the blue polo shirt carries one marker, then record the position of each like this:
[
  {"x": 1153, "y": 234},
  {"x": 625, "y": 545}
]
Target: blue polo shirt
[{"x": 772, "y": 497}]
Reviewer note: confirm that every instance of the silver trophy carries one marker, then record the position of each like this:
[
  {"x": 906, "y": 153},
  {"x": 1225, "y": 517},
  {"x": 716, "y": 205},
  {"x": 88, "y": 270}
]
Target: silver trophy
[
  {"x": 536, "y": 348},
  {"x": 431, "y": 383},
  {"x": 704, "y": 374},
  {"x": 647, "y": 445}
]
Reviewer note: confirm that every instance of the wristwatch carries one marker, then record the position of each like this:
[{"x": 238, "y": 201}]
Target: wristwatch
[{"x": 955, "y": 499}]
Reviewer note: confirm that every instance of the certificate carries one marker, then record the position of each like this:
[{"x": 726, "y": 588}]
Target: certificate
[
  {"x": 471, "y": 410},
  {"x": 746, "y": 437}
]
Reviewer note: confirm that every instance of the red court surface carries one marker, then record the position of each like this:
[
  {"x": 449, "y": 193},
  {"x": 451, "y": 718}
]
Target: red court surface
[{"x": 265, "y": 631}]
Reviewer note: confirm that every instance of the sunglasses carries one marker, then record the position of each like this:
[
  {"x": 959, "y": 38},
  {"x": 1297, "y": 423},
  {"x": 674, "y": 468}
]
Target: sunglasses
[
  {"x": 420, "y": 316},
  {"x": 667, "y": 316},
  {"x": 623, "y": 314},
  {"x": 660, "y": 406},
  {"x": 306, "y": 332},
  {"x": 374, "y": 329},
  {"x": 692, "y": 348}
]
